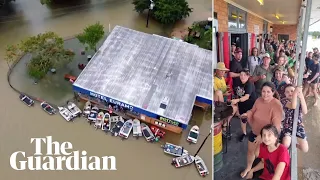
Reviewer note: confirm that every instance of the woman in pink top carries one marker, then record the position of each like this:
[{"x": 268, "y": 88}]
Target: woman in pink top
[
  {"x": 275, "y": 158},
  {"x": 266, "y": 110}
]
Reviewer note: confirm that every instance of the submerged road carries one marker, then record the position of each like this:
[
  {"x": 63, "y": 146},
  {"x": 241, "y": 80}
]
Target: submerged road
[{"x": 136, "y": 159}]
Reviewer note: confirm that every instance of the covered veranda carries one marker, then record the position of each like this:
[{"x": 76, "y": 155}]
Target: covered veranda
[{"x": 286, "y": 14}]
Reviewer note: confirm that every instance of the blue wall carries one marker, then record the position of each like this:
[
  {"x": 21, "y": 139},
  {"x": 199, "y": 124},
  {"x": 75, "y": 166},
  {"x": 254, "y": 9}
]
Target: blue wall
[{"x": 136, "y": 109}]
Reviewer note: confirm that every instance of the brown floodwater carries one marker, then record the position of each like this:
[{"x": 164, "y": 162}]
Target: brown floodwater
[{"x": 136, "y": 159}]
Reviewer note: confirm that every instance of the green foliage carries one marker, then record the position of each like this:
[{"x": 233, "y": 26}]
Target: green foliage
[
  {"x": 47, "y": 52},
  {"x": 141, "y": 5},
  {"x": 11, "y": 54},
  {"x": 45, "y": 1},
  {"x": 316, "y": 34},
  {"x": 205, "y": 38},
  {"x": 92, "y": 35},
  {"x": 165, "y": 11}
]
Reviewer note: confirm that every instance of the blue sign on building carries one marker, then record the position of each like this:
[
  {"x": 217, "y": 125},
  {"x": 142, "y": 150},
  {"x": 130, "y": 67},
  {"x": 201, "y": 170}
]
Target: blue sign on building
[{"x": 127, "y": 106}]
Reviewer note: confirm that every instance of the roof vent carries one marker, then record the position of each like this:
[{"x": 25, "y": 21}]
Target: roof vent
[{"x": 163, "y": 105}]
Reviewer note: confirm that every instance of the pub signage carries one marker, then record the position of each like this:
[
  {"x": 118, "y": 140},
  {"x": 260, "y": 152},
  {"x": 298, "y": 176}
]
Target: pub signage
[
  {"x": 113, "y": 101},
  {"x": 169, "y": 121}
]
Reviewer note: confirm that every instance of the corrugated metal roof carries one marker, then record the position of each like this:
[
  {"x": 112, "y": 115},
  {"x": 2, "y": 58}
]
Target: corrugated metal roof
[{"x": 144, "y": 70}]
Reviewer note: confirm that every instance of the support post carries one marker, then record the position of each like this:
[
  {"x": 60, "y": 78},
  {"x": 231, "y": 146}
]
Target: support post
[
  {"x": 298, "y": 47},
  {"x": 294, "y": 161},
  {"x": 148, "y": 18}
]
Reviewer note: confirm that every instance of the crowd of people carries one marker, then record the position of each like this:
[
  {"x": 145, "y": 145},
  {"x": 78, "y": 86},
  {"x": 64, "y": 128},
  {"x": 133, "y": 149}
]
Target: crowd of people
[{"x": 264, "y": 95}]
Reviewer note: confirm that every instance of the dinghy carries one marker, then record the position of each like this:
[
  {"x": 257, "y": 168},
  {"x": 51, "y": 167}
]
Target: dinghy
[
  {"x": 193, "y": 135},
  {"x": 126, "y": 129},
  {"x": 182, "y": 161},
  {"x": 147, "y": 133},
  {"x": 26, "y": 100},
  {"x": 99, "y": 121},
  {"x": 93, "y": 114},
  {"x": 107, "y": 123},
  {"x": 116, "y": 128},
  {"x": 174, "y": 150},
  {"x": 136, "y": 128},
  {"x": 65, "y": 113},
  {"x": 201, "y": 166},
  {"x": 48, "y": 108},
  {"x": 87, "y": 109},
  {"x": 73, "y": 108}
]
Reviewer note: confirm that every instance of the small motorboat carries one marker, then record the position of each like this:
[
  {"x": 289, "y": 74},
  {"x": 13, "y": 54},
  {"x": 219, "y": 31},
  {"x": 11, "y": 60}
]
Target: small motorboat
[
  {"x": 116, "y": 128},
  {"x": 65, "y": 113},
  {"x": 174, "y": 150},
  {"x": 136, "y": 129},
  {"x": 48, "y": 108},
  {"x": 157, "y": 131},
  {"x": 100, "y": 120},
  {"x": 87, "y": 109},
  {"x": 193, "y": 135},
  {"x": 201, "y": 166},
  {"x": 147, "y": 133},
  {"x": 93, "y": 114},
  {"x": 126, "y": 129},
  {"x": 26, "y": 100},
  {"x": 107, "y": 123},
  {"x": 182, "y": 161},
  {"x": 73, "y": 108}
]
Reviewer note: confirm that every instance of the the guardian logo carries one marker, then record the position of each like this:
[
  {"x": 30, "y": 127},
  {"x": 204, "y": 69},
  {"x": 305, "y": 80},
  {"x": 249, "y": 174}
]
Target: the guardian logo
[{"x": 63, "y": 158}]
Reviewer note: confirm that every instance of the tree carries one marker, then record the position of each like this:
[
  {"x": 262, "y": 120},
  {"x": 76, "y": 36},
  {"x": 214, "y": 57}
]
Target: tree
[
  {"x": 316, "y": 34},
  {"x": 47, "y": 52},
  {"x": 45, "y": 1},
  {"x": 11, "y": 55},
  {"x": 92, "y": 35},
  {"x": 165, "y": 11}
]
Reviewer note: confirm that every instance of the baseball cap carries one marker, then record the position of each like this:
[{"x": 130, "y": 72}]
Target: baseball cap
[
  {"x": 238, "y": 50},
  {"x": 266, "y": 55}
]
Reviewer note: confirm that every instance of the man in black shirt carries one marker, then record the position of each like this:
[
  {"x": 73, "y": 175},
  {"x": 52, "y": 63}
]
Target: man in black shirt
[
  {"x": 236, "y": 68},
  {"x": 313, "y": 78}
]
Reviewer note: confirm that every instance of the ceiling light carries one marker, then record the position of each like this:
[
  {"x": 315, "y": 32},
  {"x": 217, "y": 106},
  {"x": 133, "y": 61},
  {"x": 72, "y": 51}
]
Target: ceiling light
[
  {"x": 277, "y": 17},
  {"x": 261, "y": 2},
  {"x": 282, "y": 22}
]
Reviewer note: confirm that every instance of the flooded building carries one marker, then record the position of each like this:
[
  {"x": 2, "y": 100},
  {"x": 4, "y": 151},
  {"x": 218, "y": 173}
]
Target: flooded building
[{"x": 153, "y": 78}]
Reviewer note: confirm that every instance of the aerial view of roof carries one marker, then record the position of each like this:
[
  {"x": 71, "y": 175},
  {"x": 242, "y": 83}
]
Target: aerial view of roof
[{"x": 158, "y": 74}]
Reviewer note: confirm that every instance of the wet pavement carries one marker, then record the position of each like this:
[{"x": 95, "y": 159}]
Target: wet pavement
[
  {"x": 136, "y": 159},
  {"x": 309, "y": 163}
]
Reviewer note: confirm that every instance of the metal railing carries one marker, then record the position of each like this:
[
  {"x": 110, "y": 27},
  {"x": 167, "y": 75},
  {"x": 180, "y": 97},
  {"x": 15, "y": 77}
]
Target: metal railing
[{"x": 307, "y": 7}]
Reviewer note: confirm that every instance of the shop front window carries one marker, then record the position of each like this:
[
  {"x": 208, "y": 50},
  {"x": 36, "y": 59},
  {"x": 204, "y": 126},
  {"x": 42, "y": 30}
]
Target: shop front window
[{"x": 237, "y": 20}]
